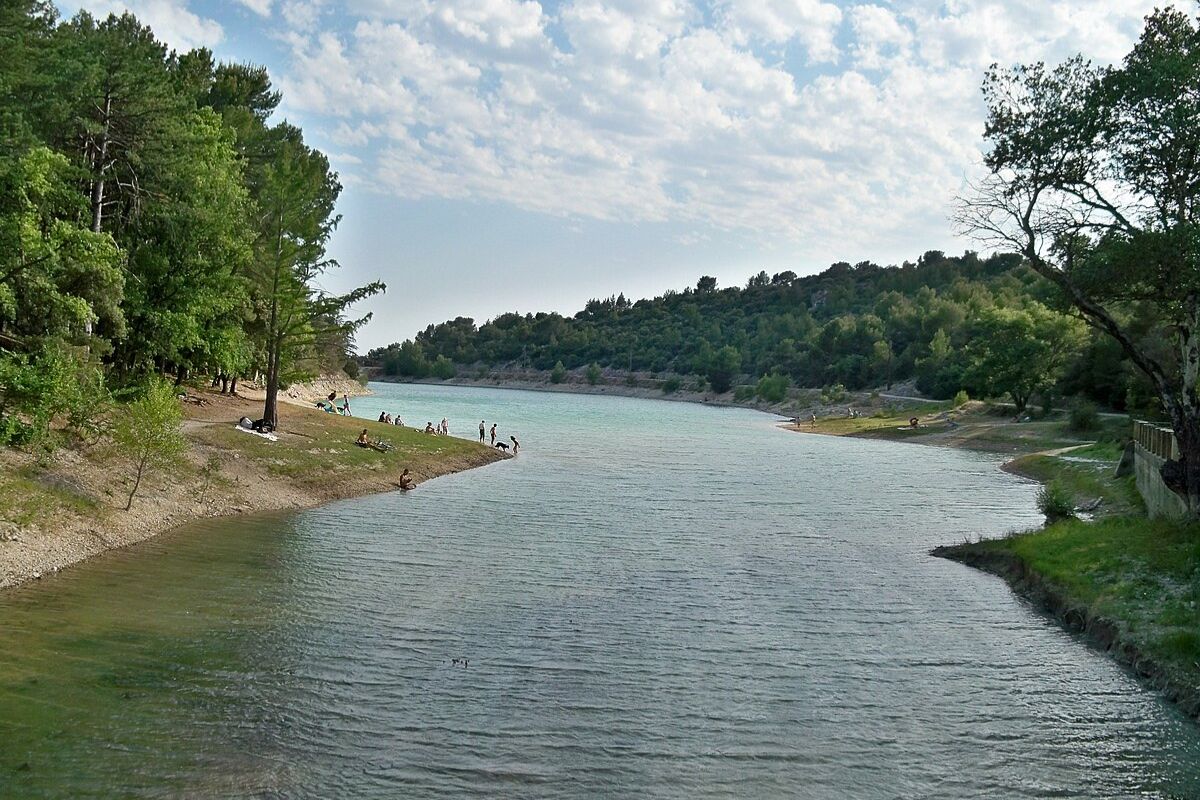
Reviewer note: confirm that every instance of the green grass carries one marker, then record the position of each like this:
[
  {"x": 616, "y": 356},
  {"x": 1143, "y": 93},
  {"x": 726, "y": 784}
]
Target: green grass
[
  {"x": 1086, "y": 473},
  {"x": 315, "y": 448},
  {"x": 1142, "y": 574},
  {"x": 885, "y": 420},
  {"x": 25, "y": 500}
]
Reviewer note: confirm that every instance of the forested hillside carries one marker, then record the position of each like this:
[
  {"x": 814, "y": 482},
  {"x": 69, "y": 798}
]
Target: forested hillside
[
  {"x": 987, "y": 326},
  {"x": 154, "y": 220}
]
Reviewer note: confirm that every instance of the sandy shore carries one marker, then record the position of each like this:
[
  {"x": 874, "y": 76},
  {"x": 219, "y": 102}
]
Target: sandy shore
[{"x": 69, "y": 509}]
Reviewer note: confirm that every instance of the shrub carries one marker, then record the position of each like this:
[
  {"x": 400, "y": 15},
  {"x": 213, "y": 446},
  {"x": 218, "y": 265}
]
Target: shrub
[
  {"x": 671, "y": 385},
  {"x": 35, "y": 389},
  {"x": 773, "y": 388},
  {"x": 593, "y": 374},
  {"x": 559, "y": 373},
  {"x": 1083, "y": 416},
  {"x": 743, "y": 393},
  {"x": 961, "y": 398},
  {"x": 833, "y": 394},
  {"x": 147, "y": 432},
  {"x": 443, "y": 368},
  {"x": 1055, "y": 501}
]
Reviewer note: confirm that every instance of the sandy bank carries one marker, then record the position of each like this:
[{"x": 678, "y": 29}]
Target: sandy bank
[{"x": 56, "y": 514}]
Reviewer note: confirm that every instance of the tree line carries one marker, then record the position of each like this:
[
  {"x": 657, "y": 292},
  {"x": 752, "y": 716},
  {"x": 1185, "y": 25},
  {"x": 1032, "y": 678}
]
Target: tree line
[
  {"x": 988, "y": 326},
  {"x": 155, "y": 220}
]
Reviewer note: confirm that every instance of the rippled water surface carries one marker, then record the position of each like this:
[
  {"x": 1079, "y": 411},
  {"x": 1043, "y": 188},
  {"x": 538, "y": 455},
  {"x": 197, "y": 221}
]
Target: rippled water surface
[{"x": 655, "y": 599}]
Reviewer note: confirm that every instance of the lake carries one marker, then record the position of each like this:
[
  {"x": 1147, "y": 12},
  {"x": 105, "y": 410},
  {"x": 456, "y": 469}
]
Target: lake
[{"x": 652, "y": 600}]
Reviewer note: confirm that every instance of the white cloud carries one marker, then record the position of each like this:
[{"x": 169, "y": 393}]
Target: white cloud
[
  {"x": 260, "y": 7},
  {"x": 811, "y": 22},
  {"x": 172, "y": 21},
  {"x": 833, "y": 126}
]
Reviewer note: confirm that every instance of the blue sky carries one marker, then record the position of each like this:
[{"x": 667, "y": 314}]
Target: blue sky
[{"x": 510, "y": 155}]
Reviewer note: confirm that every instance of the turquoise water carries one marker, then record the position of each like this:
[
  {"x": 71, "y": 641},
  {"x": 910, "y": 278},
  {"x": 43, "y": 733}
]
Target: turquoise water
[{"x": 655, "y": 600}]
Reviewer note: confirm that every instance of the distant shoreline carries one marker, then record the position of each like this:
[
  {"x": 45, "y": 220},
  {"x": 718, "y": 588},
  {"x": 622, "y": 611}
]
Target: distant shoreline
[{"x": 611, "y": 389}]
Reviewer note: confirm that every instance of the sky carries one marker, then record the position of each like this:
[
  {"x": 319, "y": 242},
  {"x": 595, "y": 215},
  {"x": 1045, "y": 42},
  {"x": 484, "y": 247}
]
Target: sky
[{"x": 511, "y": 155}]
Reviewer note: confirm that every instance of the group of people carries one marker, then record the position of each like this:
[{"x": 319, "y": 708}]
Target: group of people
[
  {"x": 516, "y": 446},
  {"x": 329, "y": 404},
  {"x": 388, "y": 419},
  {"x": 441, "y": 429}
]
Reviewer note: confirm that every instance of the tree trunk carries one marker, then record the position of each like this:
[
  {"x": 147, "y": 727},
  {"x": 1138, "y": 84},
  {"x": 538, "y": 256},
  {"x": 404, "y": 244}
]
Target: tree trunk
[
  {"x": 1185, "y": 415},
  {"x": 233, "y": 386},
  {"x": 136, "y": 483},
  {"x": 100, "y": 167}
]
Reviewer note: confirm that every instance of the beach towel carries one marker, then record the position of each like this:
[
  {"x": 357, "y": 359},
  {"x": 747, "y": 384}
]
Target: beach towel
[{"x": 268, "y": 436}]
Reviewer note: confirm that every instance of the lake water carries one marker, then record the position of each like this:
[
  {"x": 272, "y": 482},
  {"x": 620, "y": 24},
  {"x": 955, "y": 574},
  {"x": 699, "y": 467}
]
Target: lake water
[{"x": 656, "y": 600}]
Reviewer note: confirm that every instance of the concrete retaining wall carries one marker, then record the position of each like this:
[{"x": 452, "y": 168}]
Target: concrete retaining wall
[{"x": 1153, "y": 445}]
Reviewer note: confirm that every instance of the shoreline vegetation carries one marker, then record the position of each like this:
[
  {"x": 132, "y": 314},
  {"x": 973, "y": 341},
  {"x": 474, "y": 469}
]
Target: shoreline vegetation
[
  {"x": 67, "y": 509},
  {"x": 1127, "y": 585}
]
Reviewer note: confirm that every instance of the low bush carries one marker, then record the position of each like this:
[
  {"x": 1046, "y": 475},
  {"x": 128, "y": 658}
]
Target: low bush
[
  {"x": 559, "y": 373},
  {"x": 671, "y": 385},
  {"x": 773, "y": 388},
  {"x": 1055, "y": 501},
  {"x": 1083, "y": 417},
  {"x": 961, "y": 398}
]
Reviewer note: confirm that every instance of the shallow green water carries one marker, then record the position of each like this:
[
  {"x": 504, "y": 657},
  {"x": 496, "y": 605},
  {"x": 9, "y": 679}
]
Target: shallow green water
[{"x": 655, "y": 599}]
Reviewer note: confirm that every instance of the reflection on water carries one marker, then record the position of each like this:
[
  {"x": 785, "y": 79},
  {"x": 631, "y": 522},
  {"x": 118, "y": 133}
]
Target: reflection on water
[{"x": 655, "y": 599}]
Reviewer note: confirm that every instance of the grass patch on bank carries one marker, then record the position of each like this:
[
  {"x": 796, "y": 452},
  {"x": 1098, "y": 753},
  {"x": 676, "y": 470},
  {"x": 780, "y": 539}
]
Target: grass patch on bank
[
  {"x": 1086, "y": 473},
  {"x": 315, "y": 448},
  {"x": 1143, "y": 575},
  {"x": 28, "y": 495},
  {"x": 885, "y": 420}
]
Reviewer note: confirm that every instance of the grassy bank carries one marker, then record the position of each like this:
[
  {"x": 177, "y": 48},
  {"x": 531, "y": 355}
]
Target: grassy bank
[
  {"x": 66, "y": 508},
  {"x": 974, "y": 425},
  {"x": 1129, "y": 584}
]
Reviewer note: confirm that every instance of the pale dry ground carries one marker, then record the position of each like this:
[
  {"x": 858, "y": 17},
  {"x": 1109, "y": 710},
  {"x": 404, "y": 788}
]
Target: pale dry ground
[{"x": 71, "y": 508}]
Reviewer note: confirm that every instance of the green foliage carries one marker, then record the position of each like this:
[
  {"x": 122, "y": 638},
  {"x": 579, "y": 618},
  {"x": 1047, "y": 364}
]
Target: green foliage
[
  {"x": 593, "y": 374},
  {"x": 443, "y": 368},
  {"x": 773, "y": 388},
  {"x": 723, "y": 367},
  {"x": 1083, "y": 416},
  {"x": 860, "y": 326},
  {"x": 743, "y": 393},
  {"x": 833, "y": 394},
  {"x": 559, "y": 373},
  {"x": 961, "y": 398},
  {"x": 1055, "y": 501},
  {"x": 671, "y": 385},
  {"x": 36, "y": 389},
  {"x": 1019, "y": 352},
  {"x": 147, "y": 433}
]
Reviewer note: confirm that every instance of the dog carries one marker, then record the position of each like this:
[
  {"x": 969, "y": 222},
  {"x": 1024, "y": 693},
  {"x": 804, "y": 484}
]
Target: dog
[{"x": 501, "y": 446}]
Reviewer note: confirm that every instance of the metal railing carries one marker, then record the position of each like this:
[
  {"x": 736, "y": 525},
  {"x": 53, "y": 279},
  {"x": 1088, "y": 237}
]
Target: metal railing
[{"x": 1155, "y": 438}]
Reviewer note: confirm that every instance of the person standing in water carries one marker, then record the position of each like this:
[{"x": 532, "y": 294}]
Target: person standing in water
[
  {"x": 482, "y": 430},
  {"x": 445, "y": 427},
  {"x": 493, "y": 434},
  {"x": 345, "y": 405},
  {"x": 516, "y": 444}
]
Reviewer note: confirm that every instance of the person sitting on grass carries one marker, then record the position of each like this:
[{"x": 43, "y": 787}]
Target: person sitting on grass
[
  {"x": 429, "y": 428},
  {"x": 363, "y": 439}
]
